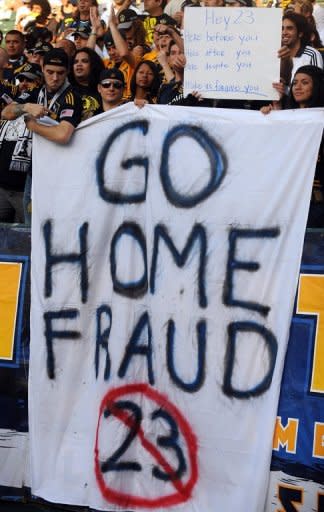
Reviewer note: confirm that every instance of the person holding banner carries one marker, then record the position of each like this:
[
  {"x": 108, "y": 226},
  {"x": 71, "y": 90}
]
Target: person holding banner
[
  {"x": 55, "y": 99},
  {"x": 307, "y": 91},
  {"x": 111, "y": 88},
  {"x": 145, "y": 82}
]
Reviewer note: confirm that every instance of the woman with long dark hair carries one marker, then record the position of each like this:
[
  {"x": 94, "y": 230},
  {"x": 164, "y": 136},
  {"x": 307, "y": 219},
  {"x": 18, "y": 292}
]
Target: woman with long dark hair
[
  {"x": 145, "y": 82},
  {"x": 307, "y": 91},
  {"x": 86, "y": 68},
  {"x": 39, "y": 15},
  {"x": 307, "y": 88}
]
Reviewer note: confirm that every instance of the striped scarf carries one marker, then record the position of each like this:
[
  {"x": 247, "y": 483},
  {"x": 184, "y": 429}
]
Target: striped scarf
[{"x": 21, "y": 157}]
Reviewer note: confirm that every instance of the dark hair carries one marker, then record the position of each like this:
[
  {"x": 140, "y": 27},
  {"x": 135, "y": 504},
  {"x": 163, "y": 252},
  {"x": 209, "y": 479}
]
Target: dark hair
[
  {"x": 139, "y": 33},
  {"x": 37, "y": 34},
  {"x": 94, "y": 3},
  {"x": 16, "y": 33},
  {"x": 46, "y": 10},
  {"x": 317, "y": 98},
  {"x": 314, "y": 35},
  {"x": 96, "y": 67},
  {"x": 302, "y": 26},
  {"x": 154, "y": 87}
]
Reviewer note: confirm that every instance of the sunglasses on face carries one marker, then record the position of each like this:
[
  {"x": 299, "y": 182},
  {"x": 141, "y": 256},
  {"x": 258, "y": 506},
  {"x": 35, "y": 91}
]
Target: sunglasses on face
[
  {"x": 25, "y": 79},
  {"x": 115, "y": 85}
]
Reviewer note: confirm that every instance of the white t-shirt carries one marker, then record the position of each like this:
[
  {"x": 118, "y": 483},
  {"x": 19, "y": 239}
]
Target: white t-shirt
[{"x": 310, "y": 56}]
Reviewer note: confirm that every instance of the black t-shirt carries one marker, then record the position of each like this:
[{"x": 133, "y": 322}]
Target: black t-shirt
[
  {"x": 7, "y": 93},
  {"x": 10, "y": 180},
  {"x": 91, "y": 101},
  {"x": 13, "y": 69},
  {"x": 67, "y": 107},
  {"x": 172, "y": 94}
]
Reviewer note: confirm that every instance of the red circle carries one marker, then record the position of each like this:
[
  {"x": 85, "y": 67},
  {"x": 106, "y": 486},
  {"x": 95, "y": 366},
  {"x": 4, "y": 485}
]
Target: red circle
[{"x": 183, "y": 491}]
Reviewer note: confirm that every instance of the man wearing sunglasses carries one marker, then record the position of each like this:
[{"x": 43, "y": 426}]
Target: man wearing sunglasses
[
  {"x": 111, "y": 88},
  {"x": 29, "y": 77}
]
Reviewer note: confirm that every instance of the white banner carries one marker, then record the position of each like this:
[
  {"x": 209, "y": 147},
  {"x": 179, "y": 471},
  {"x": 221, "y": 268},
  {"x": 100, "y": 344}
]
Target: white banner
[
  {"x": 166, "y": 245},
  {"x": 232, "y": 53}
]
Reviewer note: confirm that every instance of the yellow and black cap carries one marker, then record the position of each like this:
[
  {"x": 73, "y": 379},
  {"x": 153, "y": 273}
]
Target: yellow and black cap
[
  {"x": 126, "y": 17},
  {"x": 32, "y": 71}
]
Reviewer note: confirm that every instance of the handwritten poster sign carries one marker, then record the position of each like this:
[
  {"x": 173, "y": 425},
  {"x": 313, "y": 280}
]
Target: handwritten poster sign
[
  {"x": 232, "y": 52},
  {"x": 164, "y": 269}
]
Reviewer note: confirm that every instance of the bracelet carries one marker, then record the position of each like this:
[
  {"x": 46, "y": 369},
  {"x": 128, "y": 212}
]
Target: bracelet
[{"x": 93, "y": 33}]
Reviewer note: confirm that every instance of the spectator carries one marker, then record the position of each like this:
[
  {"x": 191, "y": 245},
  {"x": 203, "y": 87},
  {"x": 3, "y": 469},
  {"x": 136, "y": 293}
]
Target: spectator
[
  {"x": 15, "y": 149},
  {"x": 306, "y": 91},
  {"x": 145, "y": 82},
  {"x": 40, "y": 12},
  {"x": 29, "y": 77},
  {"x": 55, "y": 99},
  {"x": 158, "y": 55},
  {"x": 156, "y": 16},
  {"x": 119, "y": 55},
  {"x": 81, "y": 36},
  {"x": 66, "y": 15},
  {"x": 15, "y": 46},
  {"x": 134, "y": 32},
  {"x": 68, "y": 46},
  {"x": 82, "y": 18},
  {"x": 111, "y": 87},
  {"x": 37, "y": 35},
  {"x": 171, "y": 93},
  {"x": 305, "y": 7},
  {"x": 36, "y": 54},
  {"x": 22, "y": 12},
  {"x": 86, "y": 69},
  {"x": 296, "y": 37}
]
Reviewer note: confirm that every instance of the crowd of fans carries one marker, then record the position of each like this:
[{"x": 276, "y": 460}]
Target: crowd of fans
[{"x": 70, "y": 60}]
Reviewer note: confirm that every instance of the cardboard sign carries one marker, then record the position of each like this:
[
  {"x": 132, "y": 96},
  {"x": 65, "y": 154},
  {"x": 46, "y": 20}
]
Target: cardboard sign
[{"x": 232, "y": 52}]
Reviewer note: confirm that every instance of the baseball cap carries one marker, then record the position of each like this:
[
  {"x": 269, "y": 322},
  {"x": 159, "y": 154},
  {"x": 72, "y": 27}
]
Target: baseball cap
[
  {"x": 111, "y": 73},
  {"x": 108, "y": 39},
  {"x": 164, "y": 19},
  {"x": 83, "y": 31},
  {"x": 126, "y": 18},
  {"x": 42, "y": 47},
  {"x": 56, "y": 57},
  {"x": 32, "y": 71}
]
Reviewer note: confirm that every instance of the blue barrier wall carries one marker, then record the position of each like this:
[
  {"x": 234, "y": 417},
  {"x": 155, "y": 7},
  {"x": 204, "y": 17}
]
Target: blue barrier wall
[{"x": 299, "y": 434}]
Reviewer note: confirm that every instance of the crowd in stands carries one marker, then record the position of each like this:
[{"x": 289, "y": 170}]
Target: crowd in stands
[{"x": 70, "y": 60}]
